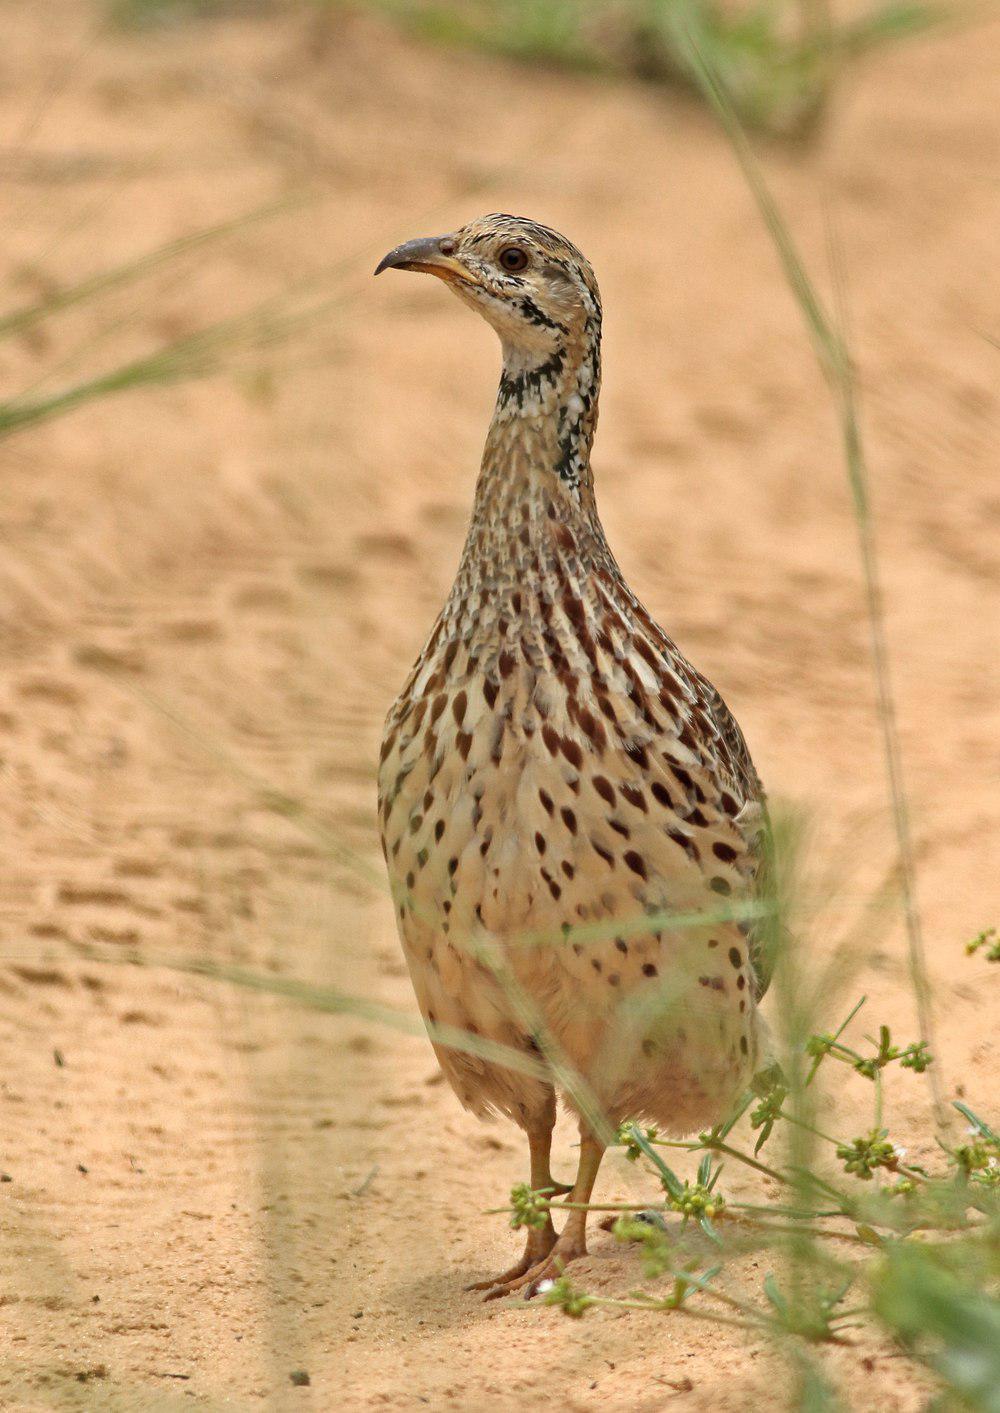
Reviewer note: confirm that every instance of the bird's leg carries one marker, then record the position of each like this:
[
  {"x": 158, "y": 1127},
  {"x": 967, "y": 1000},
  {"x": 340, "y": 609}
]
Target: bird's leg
[
  {"x": 540, "y": 1239},
  {"x": 540, "y": 1149},
  {"x": 572, "y": 1241}
]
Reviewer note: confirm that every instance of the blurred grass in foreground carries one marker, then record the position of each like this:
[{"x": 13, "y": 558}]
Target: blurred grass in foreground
[
  {"x": 225, "y": 344},
  {"x": 137, "y": 14},
  {"x": 778, "y": 59}
]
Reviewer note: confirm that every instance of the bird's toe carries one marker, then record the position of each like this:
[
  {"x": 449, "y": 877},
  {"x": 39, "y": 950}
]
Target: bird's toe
[
  {"x": 528, "y": 1279},
  {"x": 540, "y": 1242}
]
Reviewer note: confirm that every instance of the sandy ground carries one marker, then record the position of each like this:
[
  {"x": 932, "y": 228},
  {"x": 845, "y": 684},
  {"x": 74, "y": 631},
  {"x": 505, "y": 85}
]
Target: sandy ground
[{"x": 212, "y": 591}]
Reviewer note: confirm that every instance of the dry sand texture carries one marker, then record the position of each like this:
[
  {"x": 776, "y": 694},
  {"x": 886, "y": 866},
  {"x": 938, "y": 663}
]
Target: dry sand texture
[{"x": 212, "y": 591}]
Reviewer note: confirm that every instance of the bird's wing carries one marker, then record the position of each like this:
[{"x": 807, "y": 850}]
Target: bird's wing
[
  {"x": 732, "y": 762},
  {"x": 752, "y": 822}
]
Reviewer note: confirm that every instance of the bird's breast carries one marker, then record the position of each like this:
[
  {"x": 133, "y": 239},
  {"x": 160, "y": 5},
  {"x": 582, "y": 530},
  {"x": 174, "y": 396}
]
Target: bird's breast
[{"x": 526, "y": 784}]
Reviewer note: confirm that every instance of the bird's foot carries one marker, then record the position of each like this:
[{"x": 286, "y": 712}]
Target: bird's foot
[
  {"x": 569, "y": 1247},
  {"x": 540, "y": 1243}
]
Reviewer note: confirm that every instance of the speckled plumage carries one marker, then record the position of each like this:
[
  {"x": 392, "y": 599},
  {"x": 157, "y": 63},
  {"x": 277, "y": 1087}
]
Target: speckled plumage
[{"x": 555, "y": 777}]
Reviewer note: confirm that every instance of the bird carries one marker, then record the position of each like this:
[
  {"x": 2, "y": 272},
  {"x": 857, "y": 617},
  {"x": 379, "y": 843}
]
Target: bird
[{"x": 570, "y": 816}]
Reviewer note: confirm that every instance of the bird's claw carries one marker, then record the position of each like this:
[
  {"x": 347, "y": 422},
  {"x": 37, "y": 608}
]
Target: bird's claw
[
  {"x": 495, "y": 1282},
  {"x": 540, "y": 1243},
  {"x": 529, "y": 1277}
]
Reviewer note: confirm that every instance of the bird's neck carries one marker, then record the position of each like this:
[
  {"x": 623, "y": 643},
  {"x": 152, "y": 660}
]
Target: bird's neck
[
  {"x": 535, "y": 487},
  {"x": 551, "y": 398}
]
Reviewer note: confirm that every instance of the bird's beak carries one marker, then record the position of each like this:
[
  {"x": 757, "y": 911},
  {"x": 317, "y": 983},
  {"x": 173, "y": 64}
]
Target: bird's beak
[{"x": 431, "y": 255}]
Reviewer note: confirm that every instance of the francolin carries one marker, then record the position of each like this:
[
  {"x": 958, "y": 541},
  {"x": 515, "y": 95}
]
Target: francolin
[{"x": 569, "y": 812}]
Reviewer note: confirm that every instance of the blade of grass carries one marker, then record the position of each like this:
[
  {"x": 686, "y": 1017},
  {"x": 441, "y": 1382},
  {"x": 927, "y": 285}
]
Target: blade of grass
[
  {"x": 28, "y": 315},
  {"x": 194, "y": 355},
  {"x": 835, "y": 362},
  {"x": 332, "y": 1001}
]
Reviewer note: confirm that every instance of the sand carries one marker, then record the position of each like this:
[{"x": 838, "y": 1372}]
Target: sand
[{"x": 211, "y": 592}]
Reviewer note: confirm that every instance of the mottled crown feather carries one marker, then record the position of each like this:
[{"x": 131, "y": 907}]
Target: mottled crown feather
[{"x": 552, "y": 245}]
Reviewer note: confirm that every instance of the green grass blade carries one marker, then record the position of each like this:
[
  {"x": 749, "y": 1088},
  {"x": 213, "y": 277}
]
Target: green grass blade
[
  {"x": 18, "y": 320},
  {"x": 950, "y": 1325},
  {"x": 835, "y": 362}
]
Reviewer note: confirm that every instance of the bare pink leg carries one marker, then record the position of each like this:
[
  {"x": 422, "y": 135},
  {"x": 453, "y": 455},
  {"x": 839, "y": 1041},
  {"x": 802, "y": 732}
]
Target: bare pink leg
[{"x": 571, "y": 1244}]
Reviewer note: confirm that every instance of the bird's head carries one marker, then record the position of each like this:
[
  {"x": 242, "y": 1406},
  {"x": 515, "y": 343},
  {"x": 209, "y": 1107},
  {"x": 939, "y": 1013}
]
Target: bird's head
[{"x": 529, "y": 282}]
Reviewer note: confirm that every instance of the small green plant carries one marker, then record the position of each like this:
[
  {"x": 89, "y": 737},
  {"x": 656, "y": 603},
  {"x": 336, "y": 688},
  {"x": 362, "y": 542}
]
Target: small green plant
[
  {"x": 915, "y": 1056},
  {"x": 649, "y": 1231},
  {"x": 529, "y": 1208},
  {"x": 986, "y": 941},
  {"x": 863, "y": 1156},
  {"x": 963, "y": 1200},
  {"x": 572, "y": 1302}
]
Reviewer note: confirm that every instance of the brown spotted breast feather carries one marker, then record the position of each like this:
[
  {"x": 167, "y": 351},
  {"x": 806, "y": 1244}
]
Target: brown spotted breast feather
[{"x": 569, "y": 811}]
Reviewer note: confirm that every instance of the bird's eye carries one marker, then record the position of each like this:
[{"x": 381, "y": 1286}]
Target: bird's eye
[{"x": 512, "y": 257}]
